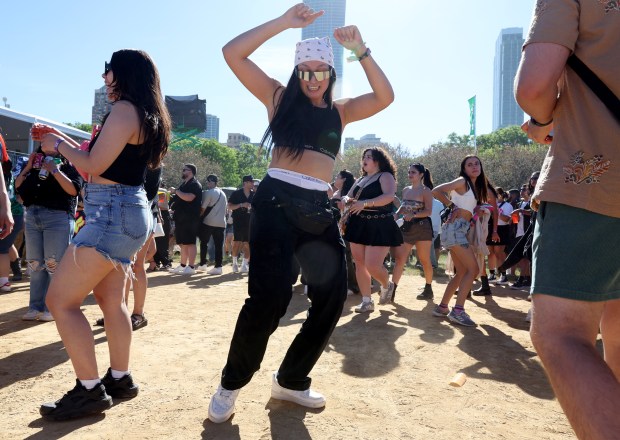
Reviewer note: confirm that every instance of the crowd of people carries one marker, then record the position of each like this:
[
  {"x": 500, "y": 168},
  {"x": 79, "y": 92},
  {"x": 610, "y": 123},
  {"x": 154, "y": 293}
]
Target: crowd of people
[{"x": 337, "y": 234}]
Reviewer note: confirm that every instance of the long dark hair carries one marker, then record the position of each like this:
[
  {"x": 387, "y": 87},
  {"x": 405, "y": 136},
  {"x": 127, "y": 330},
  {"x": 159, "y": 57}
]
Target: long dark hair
[
  {"x": 426, "y": 174},
  {"x": 535, "y": 175},
  {"x": 290, "y": 114},
  {"x": 136, "y": 80},
  {"x": 480, "y": 189},
  {"x": 349, "y": 180},
  {"x": 379, "y": 155}
]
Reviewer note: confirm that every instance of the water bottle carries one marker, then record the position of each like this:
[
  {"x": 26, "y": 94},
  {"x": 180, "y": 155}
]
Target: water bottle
[{"x": 43, "y": 173}]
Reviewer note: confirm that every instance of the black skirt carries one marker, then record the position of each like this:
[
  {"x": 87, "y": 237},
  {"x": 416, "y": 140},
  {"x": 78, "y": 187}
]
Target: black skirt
[{"x": 373, "y": 229}]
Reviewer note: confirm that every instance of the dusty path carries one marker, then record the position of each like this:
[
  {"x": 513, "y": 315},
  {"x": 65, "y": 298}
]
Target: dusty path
[{"x": 386, "y": 375}]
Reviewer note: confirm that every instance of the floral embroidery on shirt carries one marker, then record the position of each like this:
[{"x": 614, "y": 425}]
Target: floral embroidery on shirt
[
  {"x": 585, "y": 171},
  {"x": 610, "y": 5}
]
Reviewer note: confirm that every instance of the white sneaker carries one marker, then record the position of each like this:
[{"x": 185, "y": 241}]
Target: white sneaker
[
  {"x": 308, "y": 398},
  {"x": 528, "y": 317},
  {"x": 215, "y": 271},
  {"x": 178, "y": 269},
  {"x": 245, "y": 267},
  {"x": 365, "y": 307},
  {"x": 202, "y": 268},
  {"x": 188, "y": 270},
  {"x": 222, "y": 404},
  {"x": 6, "y": 287},
  {"x": 46, "y": 317},
  {"x": 31, "y": 315},
  {"x": 235, "y": 268},
  {"x": 386, "y": 294}
]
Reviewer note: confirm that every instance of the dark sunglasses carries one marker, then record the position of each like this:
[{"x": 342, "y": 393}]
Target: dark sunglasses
[
  {"x": 308, "y": 74},
  {"x": 107, "y": 68}
]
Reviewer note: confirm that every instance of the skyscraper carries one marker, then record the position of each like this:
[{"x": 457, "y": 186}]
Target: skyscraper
[
  {"x": 324, "y": 27},
  {"x": 506, "y": 111},
  {"x": 101, "y": 106},
  {"x": 213, "y": 128}
]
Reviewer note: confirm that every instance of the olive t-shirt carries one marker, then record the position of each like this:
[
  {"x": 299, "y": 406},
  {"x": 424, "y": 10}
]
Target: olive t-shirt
[{"x": 582, "y": 167}]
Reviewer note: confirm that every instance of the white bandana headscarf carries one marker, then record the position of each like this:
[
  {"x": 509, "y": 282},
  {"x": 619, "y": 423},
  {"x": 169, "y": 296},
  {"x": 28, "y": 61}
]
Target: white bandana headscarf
[{"x": 314, "y": 49}]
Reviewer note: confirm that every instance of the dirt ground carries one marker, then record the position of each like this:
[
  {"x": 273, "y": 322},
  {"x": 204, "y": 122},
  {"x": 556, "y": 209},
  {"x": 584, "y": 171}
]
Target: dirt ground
[{"x": 386, "y": 374}]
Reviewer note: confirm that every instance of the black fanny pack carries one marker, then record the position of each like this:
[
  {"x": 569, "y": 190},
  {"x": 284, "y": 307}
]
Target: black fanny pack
[{"x": 307, "y": 216}]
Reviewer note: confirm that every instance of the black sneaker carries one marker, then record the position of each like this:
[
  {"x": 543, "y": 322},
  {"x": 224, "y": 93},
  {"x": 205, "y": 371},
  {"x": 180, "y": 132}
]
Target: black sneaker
[
  {"x": 483, "y": 291},
  {"x": 78, "y": 402},
  {"x": 122, "y": 388},
  {"x": 427, "y": 293}
]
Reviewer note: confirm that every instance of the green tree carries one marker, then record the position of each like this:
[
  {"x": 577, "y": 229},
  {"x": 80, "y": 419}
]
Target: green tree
[
  {"x": 511, "y": 136},
  {"x": 81, "y": 126},
  {"x": 252, "y": 159}
]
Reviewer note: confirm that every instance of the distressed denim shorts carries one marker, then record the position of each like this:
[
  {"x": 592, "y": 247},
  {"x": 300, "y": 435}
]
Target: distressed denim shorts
[
  {"x": 118, "y": 221},
  {"x": 455, "y": 233}
]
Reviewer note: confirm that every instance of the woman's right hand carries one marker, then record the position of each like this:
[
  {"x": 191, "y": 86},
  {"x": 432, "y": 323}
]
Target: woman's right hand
[{"x": 300, "y": 16}]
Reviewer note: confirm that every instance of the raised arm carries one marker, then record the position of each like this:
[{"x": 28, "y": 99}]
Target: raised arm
[
  {"x": 237, "y": 51},
  {"x": 440, "y": 192},
  {"x": 382, "y": 95}
]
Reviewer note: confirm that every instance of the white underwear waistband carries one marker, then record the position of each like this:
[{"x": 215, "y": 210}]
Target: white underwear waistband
[{"x": 298, "y": 179}]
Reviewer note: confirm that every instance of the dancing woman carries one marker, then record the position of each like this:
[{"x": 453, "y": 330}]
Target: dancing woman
[
  {"x": 465, "y": 193},
  {"x": 304, "y": 134},
  {"x": 134, "y": 137},
  {"x": 416, "y": 208}
]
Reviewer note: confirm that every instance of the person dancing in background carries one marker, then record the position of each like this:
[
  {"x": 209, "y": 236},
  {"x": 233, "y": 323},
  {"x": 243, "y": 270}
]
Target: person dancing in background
[
  {"x": 466, "y": 192},
  {"x": 416, "y": 207},
  {"x": 134, "y": 137},
  {"x": 304, "y": 134}
]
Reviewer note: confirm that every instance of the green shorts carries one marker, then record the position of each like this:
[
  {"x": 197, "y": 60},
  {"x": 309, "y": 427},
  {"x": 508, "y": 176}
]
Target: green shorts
[{"x": 575, "y": 254}]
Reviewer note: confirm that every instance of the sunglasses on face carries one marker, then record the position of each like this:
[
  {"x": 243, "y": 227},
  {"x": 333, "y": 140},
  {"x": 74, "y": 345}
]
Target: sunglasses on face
[
  {"x": 308, "y": 74},
  {"x": 107, "y": 68}
]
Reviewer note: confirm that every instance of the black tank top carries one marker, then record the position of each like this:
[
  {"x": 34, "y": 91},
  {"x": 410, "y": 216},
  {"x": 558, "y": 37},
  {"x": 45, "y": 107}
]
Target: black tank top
[
  {"x": 129, "y": 168},
  {"x": 321, "y": 129},
  {"x": 371, "y": 191}
]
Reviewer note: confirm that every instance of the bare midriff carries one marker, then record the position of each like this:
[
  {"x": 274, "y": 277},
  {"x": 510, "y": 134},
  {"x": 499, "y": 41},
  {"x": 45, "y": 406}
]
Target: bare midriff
[
  {"x": 461, "y": 213},
  {"x": 311, "y": 163}
]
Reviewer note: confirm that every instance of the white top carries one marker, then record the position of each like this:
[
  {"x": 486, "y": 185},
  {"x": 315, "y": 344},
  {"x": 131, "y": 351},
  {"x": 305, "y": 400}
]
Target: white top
[
  {"x": 466, "y": 201},
  {"x": 436, "y": 216},
  {"x": 505, "y": 209}
]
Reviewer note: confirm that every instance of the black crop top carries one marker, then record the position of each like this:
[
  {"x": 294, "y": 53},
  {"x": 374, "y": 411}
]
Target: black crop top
[
  {"x": 371, "y": 191},
  {"x": 129, "y": 168},
  {"x": 321, "y": 129}
]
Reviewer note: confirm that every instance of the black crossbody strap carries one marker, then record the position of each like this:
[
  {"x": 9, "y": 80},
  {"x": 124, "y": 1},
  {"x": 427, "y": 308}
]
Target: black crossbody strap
[{"x": 608, "y": 98}]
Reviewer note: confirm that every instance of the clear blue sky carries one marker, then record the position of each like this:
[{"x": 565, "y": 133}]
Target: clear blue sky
[{"x": 436, "y": 54}]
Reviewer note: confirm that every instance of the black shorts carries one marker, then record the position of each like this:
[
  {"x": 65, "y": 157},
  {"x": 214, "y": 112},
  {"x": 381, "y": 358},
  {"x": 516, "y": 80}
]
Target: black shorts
[
  {"x": 241, "y": 232},
  {"x": 186, "y": 231},
  {"x": 504, "y": 236}
]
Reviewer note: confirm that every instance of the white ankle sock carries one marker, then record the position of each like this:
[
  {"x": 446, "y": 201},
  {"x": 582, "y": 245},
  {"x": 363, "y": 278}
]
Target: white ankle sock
[
  {"x": 245, "y": 261},
  {"x": 366, "y": 299},
  {"x": 234, "y": 260},
  {"x": 89, "y": 384},
  {"x": 118, "y": 374}
]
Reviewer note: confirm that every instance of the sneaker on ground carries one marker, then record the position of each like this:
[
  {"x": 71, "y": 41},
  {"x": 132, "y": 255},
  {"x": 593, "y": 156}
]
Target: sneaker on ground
[
  {"x": 492, "y": 277},
  {"x": 245, "y": 268},
  {"x": 178, "y": 269},
  {"x": 201, "y": 268},
  {"x": 138, "y": 321},
  {"x": 222, "y": 404},
  {"x": 123, "y": 388},
  {"x": 189, "y": 270},
  {"x": 386, "y": 293},
  {"x": 461, "y": 318},
  {"x": 31, "y": 315},
  {"x": 78, "y": 402},
  {"x": 307, "y": 398},
  {"x": 46, "y": 317},
  {"x": 365, "y": 307},
  {"x": 502, "y": 280},
  {"x": 215, "y": 271},
  {"x": 528, "y": 317},
  {"x": 440, "y": 312},
  {"x": 235, "y": 268},
  {"x": 517, "y": 285},
  {"x": 6, "y": 287},
  {"x": 483, "y": 291}
]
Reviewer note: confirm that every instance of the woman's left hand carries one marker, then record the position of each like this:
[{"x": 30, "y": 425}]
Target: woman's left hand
[
  {"x": 350, "y": 38},
  {"x": 495, "y": 236},
  {"x": 48, "y": 142}
]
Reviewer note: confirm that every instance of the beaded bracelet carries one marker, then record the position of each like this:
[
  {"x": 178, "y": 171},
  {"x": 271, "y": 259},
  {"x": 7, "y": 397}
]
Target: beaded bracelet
[{"x": 57, "y": 144}]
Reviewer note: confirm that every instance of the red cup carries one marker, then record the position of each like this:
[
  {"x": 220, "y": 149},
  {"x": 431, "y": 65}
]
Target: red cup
[{"x": 515, "y": 217}]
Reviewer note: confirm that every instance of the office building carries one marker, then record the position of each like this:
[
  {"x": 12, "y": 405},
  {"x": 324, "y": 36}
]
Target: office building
[
  {"x": 213, "y": 128},
  {"x": 324, "y": 26},
  {"x": 236, "y": 139},
  {"x": 101, "y": 106},
  {"x": 368, "y": 140},
  {"x": 506, "y": 111}
]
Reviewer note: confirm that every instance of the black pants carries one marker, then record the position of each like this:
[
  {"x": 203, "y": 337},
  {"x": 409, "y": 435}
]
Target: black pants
[
  {"x": 274, "y": 244},
  {"x": 162, "y": 256},
  {"x": 204, "y": 234}
]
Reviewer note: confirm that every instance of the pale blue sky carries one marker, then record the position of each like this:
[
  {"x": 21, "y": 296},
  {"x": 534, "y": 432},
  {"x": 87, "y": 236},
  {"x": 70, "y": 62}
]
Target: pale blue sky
[{"x": 436, "y": 55}]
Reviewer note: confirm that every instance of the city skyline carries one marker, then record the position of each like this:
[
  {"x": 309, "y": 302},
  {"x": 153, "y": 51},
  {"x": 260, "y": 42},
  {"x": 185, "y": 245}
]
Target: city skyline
[
  {"x": 436, "y": 58},
  {"x": 506, "y": 111}
]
